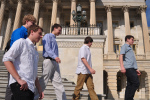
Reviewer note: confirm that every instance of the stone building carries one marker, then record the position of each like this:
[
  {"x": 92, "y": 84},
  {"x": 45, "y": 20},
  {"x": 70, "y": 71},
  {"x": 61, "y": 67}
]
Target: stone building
[{"x": 108, "y": 21}]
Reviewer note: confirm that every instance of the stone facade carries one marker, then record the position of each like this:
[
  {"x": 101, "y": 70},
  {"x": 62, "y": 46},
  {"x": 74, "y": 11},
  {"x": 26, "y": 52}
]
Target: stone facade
[{"x": 117, "y": 19}]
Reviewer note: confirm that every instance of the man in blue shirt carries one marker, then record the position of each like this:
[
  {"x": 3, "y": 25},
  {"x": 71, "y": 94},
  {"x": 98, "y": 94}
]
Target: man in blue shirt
[
  {"x": 21, "y": 32},
  {"x": 129, "y": 67},
  {"x": 51, "y": 64}
]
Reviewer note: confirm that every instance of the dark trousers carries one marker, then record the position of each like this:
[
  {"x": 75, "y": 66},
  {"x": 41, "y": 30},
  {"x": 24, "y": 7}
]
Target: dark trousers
[
  {"x": 8, "y": 94},
  {"x": 20, "y": 94},
  {"x": 132, "y": 83}
]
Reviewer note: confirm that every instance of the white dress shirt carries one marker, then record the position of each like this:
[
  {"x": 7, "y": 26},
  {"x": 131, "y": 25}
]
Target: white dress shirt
[
  {"x": 84, "y": 52},
  {"x": 25, "y": 58}
]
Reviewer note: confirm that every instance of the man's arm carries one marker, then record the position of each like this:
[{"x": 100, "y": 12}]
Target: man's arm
[
  {"x": 46, "y": 45},
  {"x": 11, "y": 69},
  {"x": 37, "y": 84},
  {"x": 123, "y": 70},
  {"x": 88, "y": 66},
  {"x": 8, "y": 60}
]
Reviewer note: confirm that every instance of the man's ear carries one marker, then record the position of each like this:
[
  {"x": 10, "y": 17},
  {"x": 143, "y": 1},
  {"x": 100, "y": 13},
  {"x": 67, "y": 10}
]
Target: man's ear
[{"x": 31, "y": 32}]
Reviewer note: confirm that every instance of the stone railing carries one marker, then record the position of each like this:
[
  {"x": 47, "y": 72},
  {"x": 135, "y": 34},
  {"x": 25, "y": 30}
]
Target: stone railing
[
  {"x": 138, "y": 57},
  {"x": 89, "y": 30}
]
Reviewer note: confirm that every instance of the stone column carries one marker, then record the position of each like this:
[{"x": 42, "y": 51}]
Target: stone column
[
  {"x": 36, "y": 9},
  {"x": 54, "y": 12},
  {"x": 73, "y": 7},
  {"x": 145, "y": 31},
  {"x": 2, "y": 13},
  {"x": 58, "y": 17},
  {"x": 127, "y": 20},
  {"x": 8, "y": 28},
  {"x": 92, "y": 13},
  {"x": 18, "y": 14},
  {"x": 110, "y": 37},
  {"x": 39, "y": 48}
]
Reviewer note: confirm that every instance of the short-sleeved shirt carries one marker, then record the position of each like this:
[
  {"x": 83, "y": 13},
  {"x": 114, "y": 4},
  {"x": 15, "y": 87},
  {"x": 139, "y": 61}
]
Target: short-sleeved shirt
[
  {"x": 129, "y": 59},
  {"x": 18, "y": 33},
  {"x": 84, "y": 52}
]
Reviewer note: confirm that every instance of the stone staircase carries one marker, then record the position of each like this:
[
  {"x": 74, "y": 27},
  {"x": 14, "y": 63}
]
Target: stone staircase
[{"x": 49, "y": 92}]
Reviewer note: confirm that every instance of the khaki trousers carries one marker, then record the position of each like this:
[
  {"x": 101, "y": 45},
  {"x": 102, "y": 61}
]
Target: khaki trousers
[
  {"x": 51, "y": 72},
  {"x": 88, "y": 79}
]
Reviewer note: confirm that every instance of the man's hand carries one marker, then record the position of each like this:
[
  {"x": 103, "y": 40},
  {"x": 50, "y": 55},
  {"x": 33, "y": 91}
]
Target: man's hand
[
  {"x": 123, "y": 70},
  {"x": 24, "y": 85},
  {"x": 58, "y": 60},
  {"x": 138, "y": 72},
  {"x": 92, "y": 71},
  {"x": 41, "y": 95}
]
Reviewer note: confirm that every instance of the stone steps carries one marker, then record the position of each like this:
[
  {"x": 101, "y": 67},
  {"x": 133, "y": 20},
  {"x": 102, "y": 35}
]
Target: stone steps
[{"x": 49, "y": 91}]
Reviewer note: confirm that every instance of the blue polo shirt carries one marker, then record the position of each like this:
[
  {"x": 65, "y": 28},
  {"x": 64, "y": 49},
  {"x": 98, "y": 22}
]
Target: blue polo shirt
[
  {"x": 18, "y": 33},
  {"x": 129, "y": 59}
]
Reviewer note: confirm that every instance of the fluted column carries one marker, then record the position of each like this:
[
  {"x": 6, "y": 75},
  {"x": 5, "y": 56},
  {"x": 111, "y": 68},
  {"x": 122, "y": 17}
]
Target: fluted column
[
  {"x": 41, "y": 25},
  {"x": 8, "y": 28},
  {"x": 145, "y": 31},
  {"x": 36, "y": 9},
  {"x": 3, "y": 2},
  {"x": 92, "y": 12},
  {"x": 54, "y": 12},
  {"x": 18, "y": 14},
  {"x": 58, "y": 17},
  {"x": 110, "y": 37},
  {"x": 73, "y": 7},
  {"x": 127, "y": 20}
]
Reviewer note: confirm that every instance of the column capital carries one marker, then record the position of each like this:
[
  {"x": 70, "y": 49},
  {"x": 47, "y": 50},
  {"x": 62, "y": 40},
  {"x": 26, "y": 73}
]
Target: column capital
[
  {"x": 73, "y": 0},
  {"x": 108, "y": 8},
  {"x": 3, "y": 1},
  {"x": 55, "y": 0},
  {"x": 92, "y": 0},
  {"x": 126, "y": 8},
  {"x": 143, "y": 8},
  {"x": 20, "y": 1},
  {"x": 37, "y": 1}
]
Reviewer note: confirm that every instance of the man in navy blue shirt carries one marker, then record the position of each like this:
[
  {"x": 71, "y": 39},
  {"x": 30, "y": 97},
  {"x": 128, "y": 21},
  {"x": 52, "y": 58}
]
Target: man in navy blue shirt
[{"x": 21, "y": 32}]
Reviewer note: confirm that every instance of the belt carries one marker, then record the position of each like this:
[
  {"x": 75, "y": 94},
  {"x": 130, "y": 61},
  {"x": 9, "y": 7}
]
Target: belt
[{"x": 49, "y": 58}]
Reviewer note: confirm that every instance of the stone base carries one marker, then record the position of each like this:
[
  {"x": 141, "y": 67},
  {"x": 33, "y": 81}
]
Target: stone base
[
  {"x": 111, "y": 55},
  {"x": 147, "y": 55},
  {"x": 40, "y": 48}
]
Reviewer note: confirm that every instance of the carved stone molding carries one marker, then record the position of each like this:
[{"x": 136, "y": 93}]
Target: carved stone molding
[
  {"x": 125, "y": 8},
  {"x": 77, "y": 44},
  {"x": 108, "y": 8},
  {"x": 143, "y": 8}
]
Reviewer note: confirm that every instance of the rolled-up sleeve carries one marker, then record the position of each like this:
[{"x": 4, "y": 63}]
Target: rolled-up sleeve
[
  {"x": 13, "y": 52},
  {"x": 83, "y": 53}
]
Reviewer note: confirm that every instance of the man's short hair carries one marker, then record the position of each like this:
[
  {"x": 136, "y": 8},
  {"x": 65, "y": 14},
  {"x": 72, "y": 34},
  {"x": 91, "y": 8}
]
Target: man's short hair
[
  {"x": 28, "y": 17},
  {"x": 87, "y": 40},
  {"x": 56, "y": 26},
  {"x": 34, "y": 28},
  {"x": 128, "y": 37}
]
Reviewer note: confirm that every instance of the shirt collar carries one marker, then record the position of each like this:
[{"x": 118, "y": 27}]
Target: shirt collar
[
  {"x": 128, "y": 45},
  {"x": 29, "y": 41},
  {"x": 53, "y": 35},
  {"x": 23, "y": 28},
  {"x": 86, "y": 46}
]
